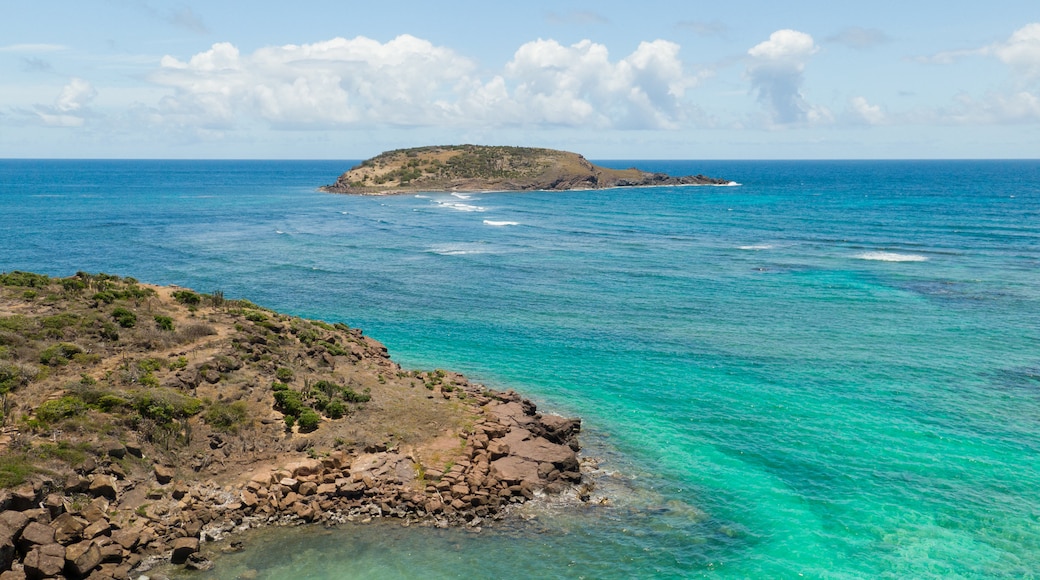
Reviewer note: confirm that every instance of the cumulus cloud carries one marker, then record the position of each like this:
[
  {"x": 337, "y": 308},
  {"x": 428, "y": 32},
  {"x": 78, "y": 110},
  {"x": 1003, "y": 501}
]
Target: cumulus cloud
[
  {"x": 71, "y": 107},
  {"x": 1021, "y": 51},
  {"x": 410, "y": 82},
  {"x": 776, "y": 70},
  {"x": 861, "y": 111}
]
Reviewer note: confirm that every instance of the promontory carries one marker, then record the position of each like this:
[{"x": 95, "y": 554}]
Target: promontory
[
  {"x": 493, "y": 168},
  {"x": 140, "y": 424}
]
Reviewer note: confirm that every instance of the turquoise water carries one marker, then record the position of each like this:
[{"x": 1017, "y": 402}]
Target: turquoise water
[{"x": 831, "y": 370}]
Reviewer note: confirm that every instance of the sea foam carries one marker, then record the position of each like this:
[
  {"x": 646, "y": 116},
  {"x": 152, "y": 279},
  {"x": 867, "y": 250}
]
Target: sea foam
[
  {"x": 891, "y": 257},
  {"x": 499, "y": 224},
  {"x": 756, "y": 247}
]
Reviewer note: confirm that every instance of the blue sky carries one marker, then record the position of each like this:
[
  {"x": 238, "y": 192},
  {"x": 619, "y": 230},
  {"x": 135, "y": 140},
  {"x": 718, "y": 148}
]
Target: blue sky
[{"x": 625, "y": 80}]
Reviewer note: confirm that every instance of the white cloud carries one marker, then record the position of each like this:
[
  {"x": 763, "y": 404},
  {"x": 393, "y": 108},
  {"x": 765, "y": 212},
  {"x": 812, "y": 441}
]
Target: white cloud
[
  {"x": 776, "y": 72},
  {"x": 861, "y": 111},
  {"x": 1021, "y": 51},
  {"x": 410, "y": 82},
  {"x": 859, "y": 38},
  {"x": 71, "y": 107}
]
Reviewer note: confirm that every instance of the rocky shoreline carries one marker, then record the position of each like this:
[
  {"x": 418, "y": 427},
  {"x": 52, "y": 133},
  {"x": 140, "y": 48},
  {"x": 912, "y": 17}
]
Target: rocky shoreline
[
  {"x": 75, "y": 529},
  {"x": 135, "y": 451}
]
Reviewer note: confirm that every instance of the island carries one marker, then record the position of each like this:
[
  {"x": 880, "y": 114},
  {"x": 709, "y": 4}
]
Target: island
[
  {"x": 143, "y": 424},
  {"x": 493, "y": 168}
]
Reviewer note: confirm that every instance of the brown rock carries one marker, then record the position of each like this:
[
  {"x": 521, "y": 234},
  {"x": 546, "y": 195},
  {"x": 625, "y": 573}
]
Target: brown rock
[
  {"x": 182, "y": 548},
  {"x": 308, "y": 488},
  {"x": 13, "y": 575},
  {"x": 249, "y": 499},
  {"x": 127, "y": 538},
  {"x": 498, "y": 449},
  {"x": 14, "y": 521},
  {"x": 68, "y": 528},
  {"x": 102, "y": 485},
  {"x": 83, "y": 557},
  {"x": 36, "y": 534},
  {"x": 96, "y": 510},
  {"x": 514, "y": 469},
  {"x": 163, "y": 474},
  {"x": 44, "y": 561},
  {"x": 98, "y": 528},
  {"x": 112, "y": 553}
]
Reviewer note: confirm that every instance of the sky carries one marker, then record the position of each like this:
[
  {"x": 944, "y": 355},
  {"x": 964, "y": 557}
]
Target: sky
[{"x": 653, "y": 79}]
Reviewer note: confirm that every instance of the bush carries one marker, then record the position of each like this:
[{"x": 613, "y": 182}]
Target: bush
[
  {"x": 124, "y": 317},
  {"x": 24, "y": 279},
  {"x": 165, "y": 405},
  {"x": 59, "y": 354},
  {"x": 335, "y": 409},
  {"x": 289, "y": 402},
  {"x": 187, "y": 297},
  {"x": 51, "y": 411},
  {"x": 226, "y": 417},
  {"x": 309, "y": 420},
  {"x": 284, "y": 374},
  {"x": 164, "y": 322}
]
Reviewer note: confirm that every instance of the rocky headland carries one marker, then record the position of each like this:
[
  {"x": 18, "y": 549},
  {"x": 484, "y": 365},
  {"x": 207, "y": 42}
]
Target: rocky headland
[
  {"x": 493, "y": 168},
  {"x": 141, "y": 422}
]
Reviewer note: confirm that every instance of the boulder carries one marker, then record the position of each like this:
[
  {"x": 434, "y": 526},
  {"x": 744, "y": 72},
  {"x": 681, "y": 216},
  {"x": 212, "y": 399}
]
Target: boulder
[
  {"x": 103, "y": 486},
  {"x": 96, "y": 510},
  {"x": 36, "y": 534},
  {"x": 68, "y": 528},
  {"x": 23, "y": 497},
  {"x": 14, "y": 521},
  {"x": 127, "y": 538},
  {"x": 13, "y": 575},
  {"x": 44, "y": 561},
  {"x": 308, "y": 488},
  {"x": 163, "y": 474},
  {"x": 182, "y": 548},
  {"x": 99, "y": 528},
  {"x": 513, "y": 470},
  {"x": 83, "y": 557}
]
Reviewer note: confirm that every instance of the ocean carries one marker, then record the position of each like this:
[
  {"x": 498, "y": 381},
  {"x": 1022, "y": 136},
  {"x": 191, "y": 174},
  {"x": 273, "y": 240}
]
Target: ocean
[{"x": 831, "y": 370}]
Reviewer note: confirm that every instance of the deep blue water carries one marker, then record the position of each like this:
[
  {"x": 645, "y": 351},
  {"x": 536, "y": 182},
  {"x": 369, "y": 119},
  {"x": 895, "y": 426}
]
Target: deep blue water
[{"x": 832, "y": 369}]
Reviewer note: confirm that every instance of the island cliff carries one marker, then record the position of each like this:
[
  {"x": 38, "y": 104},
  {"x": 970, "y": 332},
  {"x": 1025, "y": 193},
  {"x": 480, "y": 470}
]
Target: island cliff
[
  {"x": 141, "y": 422},
  {"x": 487, "y": 168}
]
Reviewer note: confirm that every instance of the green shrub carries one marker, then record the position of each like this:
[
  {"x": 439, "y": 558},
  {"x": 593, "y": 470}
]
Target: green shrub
[
  {"x": 51, "y": 411},
  {"x": 289, "y": 421},
  {"x": 352, "y": 396},
  {"x": 226, "y": 417},
  {"x": 279, "y": 387},
  {"x": 335, "y": 409},
  {"x": 289, "y": 402},
  {"x": 255, "y": 316},
  {"x": 187, "y": 297},
  {"x": 124, "y": 317},
  {"x": 284, "y": 374},
  {"x": 24, "y": 279},
  {"x": 164, "y": 322},
  {"x": 309, "y": 420},
  {"x": 165, "y": 405},
  {"x": 108, "y": 331},
  {"x": 108, "y": 403},
  {"x": 59, "y": 354}
]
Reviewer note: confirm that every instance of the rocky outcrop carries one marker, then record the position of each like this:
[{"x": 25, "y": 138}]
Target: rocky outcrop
[
  {"x": 511, "y": 455},
  {"x": 488, "y": 168}
]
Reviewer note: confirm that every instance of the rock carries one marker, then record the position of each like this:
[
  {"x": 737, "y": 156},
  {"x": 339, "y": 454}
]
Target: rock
[
  {"x": 99, "y": 528},
  {"x": 68, "y": 528},
  {"x": 23, "y": 497},
  {"x": 13, "y": 575},
  {"x": 249, "y": 499},
  {"x": 127, "y": 538},
  {"x": 44, "y": 561},
  {"x": 197, "y": 562},
  {"x": 304, "y": 468},
  {"x": 116, "y": 450},
  {"x": 102, "y": 485},
  {"x": 513, "y": 469},
  {"x": 308, "y": 488},
  {"x": 112, "y": 553},
  {"x": 7, "y": 545},
  {"x": 163, "y": 474},
  {"x": 96, "y": 510},
  {"x": 544, "y": 451},
  {"x": 14, "y": 521},
  {"x": 83, "y": 557},
  {"x": 135, "y": 450},
  {"x": 182, "y": 548},
  {"x": 35, "y": 534}
]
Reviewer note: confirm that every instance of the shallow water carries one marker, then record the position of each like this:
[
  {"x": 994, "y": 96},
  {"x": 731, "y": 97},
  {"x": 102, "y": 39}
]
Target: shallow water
[{"x": 832, "y": 369}]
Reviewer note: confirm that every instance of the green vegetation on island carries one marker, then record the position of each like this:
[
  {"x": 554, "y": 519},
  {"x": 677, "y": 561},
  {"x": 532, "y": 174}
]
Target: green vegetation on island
[{"x": 492, "y": 168}]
